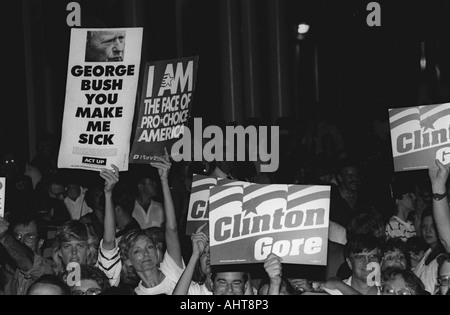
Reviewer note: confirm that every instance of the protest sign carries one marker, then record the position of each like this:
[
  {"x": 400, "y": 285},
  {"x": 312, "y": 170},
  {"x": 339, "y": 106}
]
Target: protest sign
[
  {"x": 2, "y": 196},
  {"x": 102, "y": 79},
  {"x": 419, "y": 136},
  {"x": 198, "y": 210},
  {"x": 165, "y": 107},
  {"x": 247, "y": 223}
]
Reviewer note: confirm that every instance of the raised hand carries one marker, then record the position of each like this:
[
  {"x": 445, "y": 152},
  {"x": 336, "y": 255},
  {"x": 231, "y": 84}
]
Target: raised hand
[
  {"x": 111, "y": 178},
  {"x": 439, "y": 177},
  {"x": 199, "y": 241},
  {"x": 273, "y": 267},
  {"x": 163, "y": 165}
]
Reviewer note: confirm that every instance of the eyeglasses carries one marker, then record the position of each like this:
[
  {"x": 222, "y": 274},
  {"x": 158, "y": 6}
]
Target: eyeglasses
[
  {"x": 29, "y": 237},
  {"x": 59, "y": 194},
  {"x": 394, "y": 257},
  {"x": 361, "y": 258},
  {"x": 389, "y": 291},
  {"x": 92, "y": 291},
  {"x": 443, "y": 281}
]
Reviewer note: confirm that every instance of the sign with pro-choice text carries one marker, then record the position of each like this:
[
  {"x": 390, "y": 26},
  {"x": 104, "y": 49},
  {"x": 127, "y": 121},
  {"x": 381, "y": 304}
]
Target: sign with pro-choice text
[
  {"x": 247, "y": 223},
  {"x": 102, "y": 81},
  {"x": 165, "y": 107},
  {"x": 2, "y": 196},
  {"x": 419, "y": 136}
]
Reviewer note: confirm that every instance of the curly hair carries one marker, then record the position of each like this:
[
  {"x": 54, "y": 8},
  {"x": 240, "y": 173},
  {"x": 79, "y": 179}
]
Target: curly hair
[
  {"x": 128, "y": 274},
  {"x": 93, "y": 273},
  {"x": 412, "y": 282},
  {"x": 69, "y": 231}
]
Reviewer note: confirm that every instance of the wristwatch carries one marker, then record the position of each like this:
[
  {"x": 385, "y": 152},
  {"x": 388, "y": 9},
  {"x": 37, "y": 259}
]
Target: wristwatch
[{"x": 438, "y": 197}]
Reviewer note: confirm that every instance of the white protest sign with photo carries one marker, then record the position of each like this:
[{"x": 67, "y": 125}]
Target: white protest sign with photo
[
  {"x": 247, "y": 223},
  {"x": 102, "y": 80},
  {"x": 419, "y": 136}
]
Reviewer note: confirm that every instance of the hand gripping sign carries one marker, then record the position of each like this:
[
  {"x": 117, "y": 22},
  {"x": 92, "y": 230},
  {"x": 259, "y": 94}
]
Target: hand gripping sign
[
  {"x": 246, "y": 224},
  {"x": 420, "y": 135}
]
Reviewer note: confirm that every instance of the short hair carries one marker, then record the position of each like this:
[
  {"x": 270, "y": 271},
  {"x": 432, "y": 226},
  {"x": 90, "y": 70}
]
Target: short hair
[
  {"x": 396, "y": 244},
  {"x": 53, "y": 280},
  {"x": 360, "y": 244},
  {"x": 347, "y": 162},
  {"x": 412, "y": 281},
  {"x": 365, "y": 222},
  {"x": 227, "y": 270},
  {"x": 400, "y": 185},
  {"x": 128, "y": 274},
  {"x": 442, "y": 259},
  {"x": 74, "y": 230},
  {"x": 88, "y": 272},
  {"x": 25, "y": 215}
]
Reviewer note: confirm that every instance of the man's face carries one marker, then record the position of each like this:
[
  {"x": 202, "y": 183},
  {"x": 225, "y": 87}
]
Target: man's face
[
  {"x": 106, "y": 46},
  {"x": 57, "y": 191},
  {"x": 350, "y": 178},
  {"x": 358, "y": 263},
  {"x": 409, "y": 201},
  {"x": 74, "y": 251},
  {"x": 229, "y": 283},
  {"x": 444, "y": 278},
  {"x": 28, "y": 235}
]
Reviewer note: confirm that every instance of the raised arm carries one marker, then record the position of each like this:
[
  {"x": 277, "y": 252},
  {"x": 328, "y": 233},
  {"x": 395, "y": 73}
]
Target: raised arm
[
  {"x": 199, "y": 241},
  {"x": 441, "y": 211},
  {"x": 171, "y": 230},
  {"x": 111, "y": 178},
  {"x": 20, "y": 254}
]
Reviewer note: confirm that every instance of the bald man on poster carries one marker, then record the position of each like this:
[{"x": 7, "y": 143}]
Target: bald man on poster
[{"x": 105, "y": 46}]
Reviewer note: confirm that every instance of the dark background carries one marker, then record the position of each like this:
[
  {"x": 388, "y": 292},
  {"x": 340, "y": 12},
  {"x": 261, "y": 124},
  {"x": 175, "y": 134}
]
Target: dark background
[{"x": 361, "y": 70}]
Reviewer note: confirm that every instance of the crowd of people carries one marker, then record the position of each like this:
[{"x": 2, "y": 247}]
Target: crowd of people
[{"x": 72, "y": 232}]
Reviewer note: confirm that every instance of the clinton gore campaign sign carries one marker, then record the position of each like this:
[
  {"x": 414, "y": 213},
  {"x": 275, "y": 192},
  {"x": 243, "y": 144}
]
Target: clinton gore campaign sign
[
  {"x": 198, "y": 210},
  {"x": 420, "y": 135},
  {"x": 247, "y": 223}
]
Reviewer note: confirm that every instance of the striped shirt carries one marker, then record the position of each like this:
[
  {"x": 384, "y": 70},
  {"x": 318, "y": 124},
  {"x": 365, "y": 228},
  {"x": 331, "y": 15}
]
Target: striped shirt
[
  {"x": 109, "y": 262},
  {"x": 397, "y": 228}
]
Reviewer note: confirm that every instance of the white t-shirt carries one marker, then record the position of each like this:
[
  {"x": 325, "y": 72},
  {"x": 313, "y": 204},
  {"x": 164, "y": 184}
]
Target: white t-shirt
[
  {"x": 79, "y": 207},
  {"x": 153, "y": 217},
  {"x": 172, "y": 273},
  {"x": 198, "y": 289}
]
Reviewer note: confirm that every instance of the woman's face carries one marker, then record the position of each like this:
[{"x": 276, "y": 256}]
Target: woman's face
[
  {"x": 429, "y": 231},
  {"x": 394, "y": 259},
  {"x": 74, "y": 251},
  {"x": 144, "y": 255}
]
